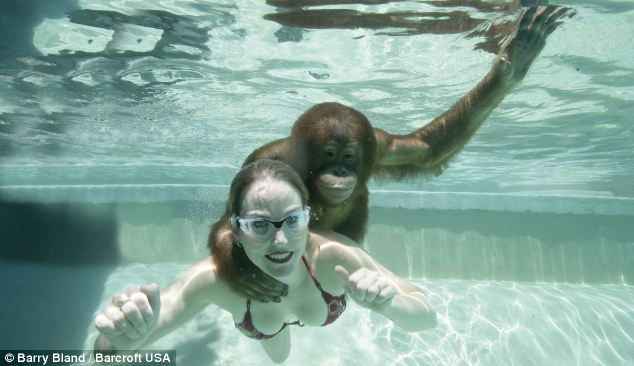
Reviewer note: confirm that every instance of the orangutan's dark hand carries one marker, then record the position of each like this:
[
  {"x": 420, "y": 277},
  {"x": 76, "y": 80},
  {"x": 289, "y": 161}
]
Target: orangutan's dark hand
[
  {"x": 535, "y": 24},
  {"x": 258, "y": 286}
]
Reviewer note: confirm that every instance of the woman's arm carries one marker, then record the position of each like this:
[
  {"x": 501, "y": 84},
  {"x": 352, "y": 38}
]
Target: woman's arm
[
  {"x": 143, "y": 315},
  {"x": 373, "y": 286}
]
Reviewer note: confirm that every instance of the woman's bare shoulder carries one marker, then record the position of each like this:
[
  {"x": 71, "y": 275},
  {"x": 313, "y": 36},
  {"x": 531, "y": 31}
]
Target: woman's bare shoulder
[
  {"x": 203, "y": 273},
  {"x": 331, "y": 239},
  {"x": 330, "y": 249}
]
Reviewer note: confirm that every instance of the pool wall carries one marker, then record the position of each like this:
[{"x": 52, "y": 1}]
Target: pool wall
[
  {"x": 415, "y": 234},
  {"x": 60, "y": 245}
]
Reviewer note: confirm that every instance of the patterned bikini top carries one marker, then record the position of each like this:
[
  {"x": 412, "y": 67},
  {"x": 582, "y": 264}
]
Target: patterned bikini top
[{"x": 336, "y": 306}]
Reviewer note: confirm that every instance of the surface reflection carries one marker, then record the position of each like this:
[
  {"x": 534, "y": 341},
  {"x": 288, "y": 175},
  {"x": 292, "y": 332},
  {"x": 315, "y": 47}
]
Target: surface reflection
[{"x": 298, "y": 15}]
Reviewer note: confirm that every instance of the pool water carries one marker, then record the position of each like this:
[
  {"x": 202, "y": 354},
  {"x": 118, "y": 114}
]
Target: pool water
[
  {"x": 479, "y": 322},
  {"x": 122, "y": 123}
]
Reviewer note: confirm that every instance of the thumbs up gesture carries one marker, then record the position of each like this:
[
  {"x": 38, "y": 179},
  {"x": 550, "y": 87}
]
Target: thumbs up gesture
[
  {"x": 370, "y": 289},
  {"x": 128, "y": 320}
]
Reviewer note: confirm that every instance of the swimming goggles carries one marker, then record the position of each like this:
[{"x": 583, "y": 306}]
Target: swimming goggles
[{"x": 263, "y": 229}]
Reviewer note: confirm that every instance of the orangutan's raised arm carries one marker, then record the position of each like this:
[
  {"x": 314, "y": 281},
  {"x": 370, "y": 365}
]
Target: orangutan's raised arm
[{"x": 429, "y": 149}]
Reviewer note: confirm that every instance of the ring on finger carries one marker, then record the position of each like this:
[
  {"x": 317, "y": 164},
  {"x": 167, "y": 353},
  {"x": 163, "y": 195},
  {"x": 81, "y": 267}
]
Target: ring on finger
[{"x": 122, "y": 301}]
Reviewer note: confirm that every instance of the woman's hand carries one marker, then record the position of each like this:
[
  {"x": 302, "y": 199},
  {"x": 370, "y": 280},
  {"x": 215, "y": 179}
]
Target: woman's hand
[
  {"x": 370, "y": 289},
  {"x": 128, "y": 320}
]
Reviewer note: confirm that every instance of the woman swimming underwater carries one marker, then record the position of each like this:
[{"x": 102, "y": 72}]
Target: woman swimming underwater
[{"x": 270, "y": 216}]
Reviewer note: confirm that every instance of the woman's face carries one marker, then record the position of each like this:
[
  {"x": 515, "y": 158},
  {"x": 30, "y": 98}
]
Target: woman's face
[{"x": 279, "y": 253}]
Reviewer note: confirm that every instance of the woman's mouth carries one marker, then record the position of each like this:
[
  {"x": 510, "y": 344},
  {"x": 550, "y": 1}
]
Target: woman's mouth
[{"x": 280, "y": 257}]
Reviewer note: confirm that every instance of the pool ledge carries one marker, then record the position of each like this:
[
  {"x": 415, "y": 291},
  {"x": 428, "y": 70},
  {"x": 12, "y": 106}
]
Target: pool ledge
[{"x": 512, "y": 202}]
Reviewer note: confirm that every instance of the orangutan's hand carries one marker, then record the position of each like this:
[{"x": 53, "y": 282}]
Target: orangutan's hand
[
  {"x": 259, "y": 286},
  {"x": 535, "y": 24}
]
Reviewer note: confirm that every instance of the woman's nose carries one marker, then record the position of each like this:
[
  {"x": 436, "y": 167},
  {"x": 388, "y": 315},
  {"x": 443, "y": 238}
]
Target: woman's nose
[{"x": 280, "y": 237}]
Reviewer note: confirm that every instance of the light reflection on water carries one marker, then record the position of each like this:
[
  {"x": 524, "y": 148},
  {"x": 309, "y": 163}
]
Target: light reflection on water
[{"x": 166, "y": 84}]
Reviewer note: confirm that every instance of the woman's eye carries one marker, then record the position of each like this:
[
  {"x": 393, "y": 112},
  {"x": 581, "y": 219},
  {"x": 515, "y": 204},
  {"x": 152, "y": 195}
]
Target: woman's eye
[
  {"x": 259, "y": 224},
  {"x": 292, "y": 219},
  {"x": 330, "y": 154}
]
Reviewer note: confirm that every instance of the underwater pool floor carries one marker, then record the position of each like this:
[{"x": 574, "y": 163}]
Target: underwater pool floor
[{"x": 479, "y": 322}]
